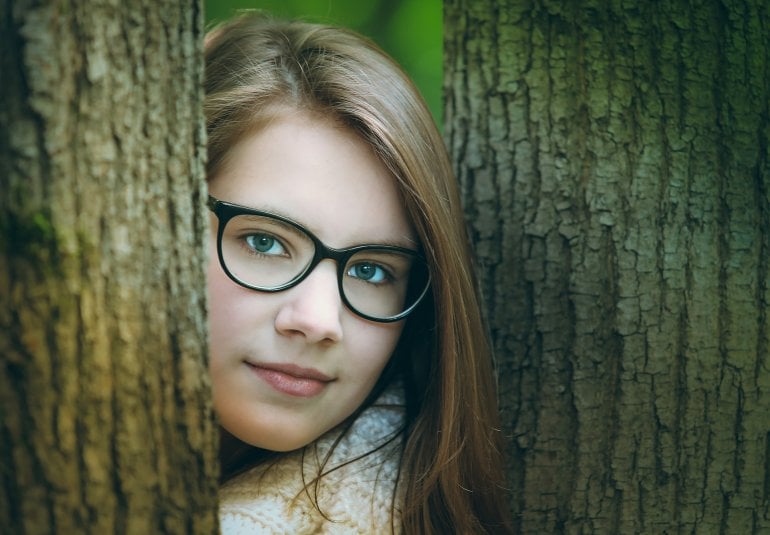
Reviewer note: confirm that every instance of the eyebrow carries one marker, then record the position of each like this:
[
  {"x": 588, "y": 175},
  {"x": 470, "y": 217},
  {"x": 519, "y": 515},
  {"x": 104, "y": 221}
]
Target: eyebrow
[
  {"x": 405, "y": 243},
  {"x": 283, "y": 224}
]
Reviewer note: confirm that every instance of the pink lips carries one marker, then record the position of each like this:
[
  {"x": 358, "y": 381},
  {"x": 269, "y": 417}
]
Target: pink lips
[{"x": 292, "y": 380}]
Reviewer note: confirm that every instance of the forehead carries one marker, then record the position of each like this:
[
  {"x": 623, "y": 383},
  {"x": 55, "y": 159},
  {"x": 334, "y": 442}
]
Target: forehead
[{"x": 321, "y": 175}]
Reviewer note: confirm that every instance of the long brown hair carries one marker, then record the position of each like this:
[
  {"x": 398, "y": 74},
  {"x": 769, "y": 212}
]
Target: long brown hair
[{"x": 452, "y": 475}]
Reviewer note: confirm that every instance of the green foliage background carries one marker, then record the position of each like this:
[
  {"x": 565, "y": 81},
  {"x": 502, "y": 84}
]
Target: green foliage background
[{"x": 409, "y": 30}]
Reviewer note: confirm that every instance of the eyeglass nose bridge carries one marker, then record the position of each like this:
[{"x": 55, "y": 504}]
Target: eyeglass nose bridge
[{"x": 321, "y": 253}]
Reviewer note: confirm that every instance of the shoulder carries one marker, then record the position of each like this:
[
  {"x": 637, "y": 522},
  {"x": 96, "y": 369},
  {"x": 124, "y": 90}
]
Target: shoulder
[{"x": 356, "y": 492}]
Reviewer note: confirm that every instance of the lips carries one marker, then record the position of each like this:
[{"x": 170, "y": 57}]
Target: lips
[{"x": 292, "y": 380}]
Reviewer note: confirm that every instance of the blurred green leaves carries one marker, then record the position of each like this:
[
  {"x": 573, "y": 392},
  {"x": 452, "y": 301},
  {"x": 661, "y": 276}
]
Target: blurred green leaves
[{"x": 409, "y": 30}]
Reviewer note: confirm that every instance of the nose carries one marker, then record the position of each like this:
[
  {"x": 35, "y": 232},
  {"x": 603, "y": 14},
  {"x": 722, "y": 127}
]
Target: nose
[{"x": 313, "y": 308}]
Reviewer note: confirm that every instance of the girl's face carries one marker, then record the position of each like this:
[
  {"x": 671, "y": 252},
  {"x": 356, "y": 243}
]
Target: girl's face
[{"x": 288, "y": 366}]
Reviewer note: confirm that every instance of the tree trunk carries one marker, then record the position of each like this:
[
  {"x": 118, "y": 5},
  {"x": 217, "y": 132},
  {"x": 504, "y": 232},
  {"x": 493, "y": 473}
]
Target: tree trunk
[
  {"x": 105, "y": 413},
  {"x": 614, "y": 163}
]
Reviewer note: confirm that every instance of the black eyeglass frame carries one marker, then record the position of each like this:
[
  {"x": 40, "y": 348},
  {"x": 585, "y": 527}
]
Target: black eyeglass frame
[{"x": 225, "y": 211}]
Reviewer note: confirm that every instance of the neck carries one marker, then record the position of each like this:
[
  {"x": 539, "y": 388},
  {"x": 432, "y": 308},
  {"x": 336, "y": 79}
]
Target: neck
[{"x": 235, "y": 456}]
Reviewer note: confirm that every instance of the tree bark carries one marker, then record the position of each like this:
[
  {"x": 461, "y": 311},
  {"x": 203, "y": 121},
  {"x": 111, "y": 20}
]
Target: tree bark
[
  {"x": 614, "y": 164},
  {"x": 105, "y": 414}
]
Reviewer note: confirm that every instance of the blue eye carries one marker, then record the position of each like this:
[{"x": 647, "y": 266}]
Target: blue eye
[
  {"x": 368, "y": 272},
  {"x": 265, "y": 244}
]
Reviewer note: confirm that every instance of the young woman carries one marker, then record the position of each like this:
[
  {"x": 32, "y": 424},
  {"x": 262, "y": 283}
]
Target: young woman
[{"x": 352, "y": 375}]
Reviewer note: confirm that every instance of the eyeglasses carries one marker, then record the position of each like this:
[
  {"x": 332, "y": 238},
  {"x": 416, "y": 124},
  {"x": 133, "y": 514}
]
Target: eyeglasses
[{"x": 269, "y": 253}]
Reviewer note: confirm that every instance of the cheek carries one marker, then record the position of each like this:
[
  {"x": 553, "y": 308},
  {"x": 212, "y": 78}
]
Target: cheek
[
  {"x": 230, "y": 311},
  {"x": 374, "y": 346},
  {"x": 218, "y": 296},
  {"x": 390, "y": 338},
  {"x": 236, "y": 315}
]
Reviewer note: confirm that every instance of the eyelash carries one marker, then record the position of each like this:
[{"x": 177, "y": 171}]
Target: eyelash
[{"x": 243, "y": 238}]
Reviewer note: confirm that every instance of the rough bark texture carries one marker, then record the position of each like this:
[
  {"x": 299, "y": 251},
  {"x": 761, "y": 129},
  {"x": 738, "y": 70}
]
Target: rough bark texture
[
  {"x": 105, "y": 414},
  {"x": 614, "y": 162}
]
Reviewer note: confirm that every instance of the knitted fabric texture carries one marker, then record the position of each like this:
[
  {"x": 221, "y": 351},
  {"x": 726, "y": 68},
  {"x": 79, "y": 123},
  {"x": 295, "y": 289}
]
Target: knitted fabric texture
[{"x": 355, "y": 495}]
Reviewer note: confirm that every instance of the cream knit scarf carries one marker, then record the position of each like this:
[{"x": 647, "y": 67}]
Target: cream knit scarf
[{"x": 357, "y": 497}]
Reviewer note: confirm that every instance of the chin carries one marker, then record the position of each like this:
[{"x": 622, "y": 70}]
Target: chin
[{"x": 283, "y": 444}]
